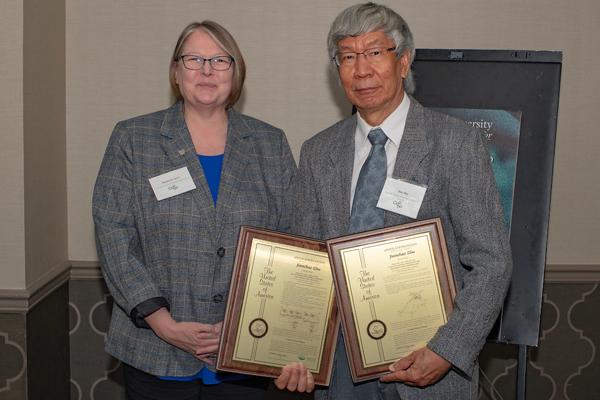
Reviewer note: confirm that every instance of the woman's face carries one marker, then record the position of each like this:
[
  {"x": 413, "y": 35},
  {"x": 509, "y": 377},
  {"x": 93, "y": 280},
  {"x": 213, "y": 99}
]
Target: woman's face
[{"x": 205, "y": 87}]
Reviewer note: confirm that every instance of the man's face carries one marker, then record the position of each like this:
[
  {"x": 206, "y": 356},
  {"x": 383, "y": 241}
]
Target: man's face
[{"x": 374, "y": 86}]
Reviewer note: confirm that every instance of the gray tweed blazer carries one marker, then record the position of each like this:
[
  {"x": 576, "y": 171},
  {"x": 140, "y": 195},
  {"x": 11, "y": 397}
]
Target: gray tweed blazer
[
  {"x": 180, "y": 248},
  {"x": 444, "y": 154}
]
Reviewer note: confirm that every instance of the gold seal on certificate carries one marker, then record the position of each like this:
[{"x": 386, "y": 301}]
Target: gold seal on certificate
[
  {"x": 376, "y": 329},
  {"x": 258, "y": 328},
  {"x": 395, "y": 289},
  {"x": 281, "y": 306}
]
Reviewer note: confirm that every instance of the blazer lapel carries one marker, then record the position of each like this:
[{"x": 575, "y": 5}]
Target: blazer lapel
[
  {"x": 180, "y": 149},
  {"x": 234, "y": 167},
  {"x": 341, "y": 161},
  {"x": 413, "y": 150}
]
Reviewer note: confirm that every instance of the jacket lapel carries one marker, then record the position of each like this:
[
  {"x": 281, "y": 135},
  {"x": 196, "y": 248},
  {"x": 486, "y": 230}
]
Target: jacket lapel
[
  {"x": 180, "y": 149},
  {"x": 236, "y": 158},
  {"x": 341, "y": 162},
  {"x": 414, "y": 148}
]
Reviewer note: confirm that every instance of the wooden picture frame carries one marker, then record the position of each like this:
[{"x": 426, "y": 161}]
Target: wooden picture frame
[
  {"x": 394, "y": 287},
  {"x": 281, "y": 306}
]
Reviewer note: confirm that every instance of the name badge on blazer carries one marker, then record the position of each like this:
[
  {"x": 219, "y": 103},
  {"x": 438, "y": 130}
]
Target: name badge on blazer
[
  {"x": 172, "y": 183},
  {"x": 402, "y": 197}
]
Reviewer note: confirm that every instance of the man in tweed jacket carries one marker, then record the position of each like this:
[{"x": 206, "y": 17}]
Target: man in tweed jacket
[{"x": 372, "y": 48}]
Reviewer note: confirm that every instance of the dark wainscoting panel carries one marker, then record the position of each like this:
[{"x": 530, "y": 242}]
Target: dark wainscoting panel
[
  {"x": 34, "y": 349},
  {"x": 13, "y": 357},
  {"x": 566, "y": 364},
  {"x": 94, "y": 374},
  {"x": 48, "y": 347}
]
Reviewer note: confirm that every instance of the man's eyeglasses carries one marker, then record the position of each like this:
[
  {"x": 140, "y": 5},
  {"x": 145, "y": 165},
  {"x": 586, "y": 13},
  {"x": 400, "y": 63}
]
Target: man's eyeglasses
[
  {"x": 373, "y": 56},
  {"x": 218, "y": 63}
]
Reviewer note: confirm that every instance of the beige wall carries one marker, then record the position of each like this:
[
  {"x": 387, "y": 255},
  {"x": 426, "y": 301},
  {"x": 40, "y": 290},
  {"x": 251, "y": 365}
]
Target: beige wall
[
  {"x": 116, "y": 65},
  {"x": 117, "y": 56},
  {"x": 33, "y": 199},
  {"x": 44, "y": 109},
  {"x": 12, "y": 226}
]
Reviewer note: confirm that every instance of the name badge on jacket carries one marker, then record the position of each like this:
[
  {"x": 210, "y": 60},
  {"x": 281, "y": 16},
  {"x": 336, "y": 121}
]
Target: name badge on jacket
[
  {"x": 172, "y": 183},
  {"x": 401, "y": 197}
]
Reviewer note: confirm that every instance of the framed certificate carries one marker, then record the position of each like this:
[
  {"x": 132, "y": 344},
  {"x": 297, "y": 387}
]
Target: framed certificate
[
  {"x": 395, "y": 288},
  {"x": 281, "y": 306}
]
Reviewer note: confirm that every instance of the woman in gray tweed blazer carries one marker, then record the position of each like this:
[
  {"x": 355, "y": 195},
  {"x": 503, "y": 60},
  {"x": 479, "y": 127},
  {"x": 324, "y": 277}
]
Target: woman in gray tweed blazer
[{"x": 173, "y": 188}]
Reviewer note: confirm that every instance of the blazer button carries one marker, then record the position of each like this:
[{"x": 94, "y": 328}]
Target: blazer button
[
  {"x": 217, "y": 298},
  {"x": 221, "y": 252}
]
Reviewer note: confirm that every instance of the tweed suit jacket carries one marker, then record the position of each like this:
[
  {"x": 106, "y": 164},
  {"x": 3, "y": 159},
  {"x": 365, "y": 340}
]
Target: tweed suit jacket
[
  {"x": 442, "y": 153},
  {"x": 182, "y": 247}
]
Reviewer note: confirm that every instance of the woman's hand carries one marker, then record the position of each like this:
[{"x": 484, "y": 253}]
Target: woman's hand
[
  {"x": 200, "y": 340},
  {"x": 295, "y": 377}
]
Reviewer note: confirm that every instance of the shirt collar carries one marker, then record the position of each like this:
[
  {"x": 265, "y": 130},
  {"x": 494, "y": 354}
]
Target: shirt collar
[{"x": 393, "y": 125}]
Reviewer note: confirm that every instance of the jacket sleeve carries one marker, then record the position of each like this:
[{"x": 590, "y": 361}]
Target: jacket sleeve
[
  {"x": 114, "y": 210},
  {"x": 475, "y": 213},
  {"x": 306, "y": 213}
]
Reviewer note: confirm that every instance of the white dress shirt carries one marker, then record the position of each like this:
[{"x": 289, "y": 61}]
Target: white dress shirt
[{"x": 393, "y": 127}]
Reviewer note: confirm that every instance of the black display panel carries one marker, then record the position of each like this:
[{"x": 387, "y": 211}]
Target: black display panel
[{"x": 527, "y": 84}]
